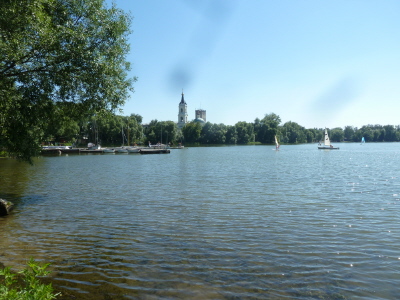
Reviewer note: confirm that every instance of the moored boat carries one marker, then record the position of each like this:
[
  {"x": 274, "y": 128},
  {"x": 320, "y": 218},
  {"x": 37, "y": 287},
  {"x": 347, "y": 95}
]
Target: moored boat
[
  {"x": 92, "y": 148},
  {"x": 154, "y": 151},
  {"x": 59, "y": 150},
  {"x": 108, "y": 150},
  {"x": 133, "y": 150}
]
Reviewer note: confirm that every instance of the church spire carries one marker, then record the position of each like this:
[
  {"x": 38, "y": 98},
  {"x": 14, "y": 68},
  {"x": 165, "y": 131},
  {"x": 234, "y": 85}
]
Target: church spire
[{"x": 183, "y": 99}]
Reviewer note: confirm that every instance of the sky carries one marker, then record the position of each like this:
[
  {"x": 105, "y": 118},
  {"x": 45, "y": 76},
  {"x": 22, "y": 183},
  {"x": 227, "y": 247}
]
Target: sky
[{"x": 317, "y": 63}]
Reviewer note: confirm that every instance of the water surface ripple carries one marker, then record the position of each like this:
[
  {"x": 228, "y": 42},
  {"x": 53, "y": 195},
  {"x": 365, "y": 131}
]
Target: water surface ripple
[{"x": 239, "y": 222}]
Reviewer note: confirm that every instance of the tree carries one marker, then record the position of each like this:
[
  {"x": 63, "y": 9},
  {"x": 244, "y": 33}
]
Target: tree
[
  {"x": 134, "y": 129},
  {"x": 293, "y": 133},
  {"x": 162, "y": 132},
  {"x": 390, "y": 133},
  {"x": 349, "y": 133},
  {"x": 272, "y": 122},
  {"x": 192, "y": 132},
  {"x": 58, "y": 51},
  {"x": 62, "y": 126},
  {"x": 169, "y": 132},
  {"x": 245, "y": 132},
  {"x": 231, "y": 135},
  {"x": 357, "y": 136},
  {"x": 213, "y": 133},
  {"x": 151, "y": 132},
  {"x": 368, "y": 133},
  {"x": 267, "y": 128},
  {"x": 310, "y": 135},
  {"x": 337, "y": 134}
]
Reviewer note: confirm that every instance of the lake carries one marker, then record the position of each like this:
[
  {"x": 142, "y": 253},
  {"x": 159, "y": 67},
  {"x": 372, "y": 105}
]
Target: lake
[{"x": 240, "y": 222}]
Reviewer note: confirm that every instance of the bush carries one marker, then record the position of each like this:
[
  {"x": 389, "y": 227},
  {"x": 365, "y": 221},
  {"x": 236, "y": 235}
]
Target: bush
[{"x": 29, "y": 287}]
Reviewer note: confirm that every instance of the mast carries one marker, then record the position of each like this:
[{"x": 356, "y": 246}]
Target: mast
[{"x": 122, "y": 133}]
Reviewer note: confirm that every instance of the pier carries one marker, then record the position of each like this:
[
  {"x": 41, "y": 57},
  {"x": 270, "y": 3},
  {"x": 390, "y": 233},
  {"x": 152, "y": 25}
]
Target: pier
[
  {"x": 59, "y": 151},
  {"x": 154, "y": 151}
]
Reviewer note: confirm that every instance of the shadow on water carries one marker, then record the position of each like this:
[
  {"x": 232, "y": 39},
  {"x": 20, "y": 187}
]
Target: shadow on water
[
  {"x": 14, "y": 180},
  {"x": 14, "y": 176}
]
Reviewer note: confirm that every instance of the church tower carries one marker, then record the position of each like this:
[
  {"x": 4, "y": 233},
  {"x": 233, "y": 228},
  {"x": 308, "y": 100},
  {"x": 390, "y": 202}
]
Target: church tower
[{"x": 182, "y": 115}]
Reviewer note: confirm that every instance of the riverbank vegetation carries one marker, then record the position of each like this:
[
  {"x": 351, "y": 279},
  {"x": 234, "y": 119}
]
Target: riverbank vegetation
[
  {"x": 263, "y": 131},
  {"x": 109, "y": 129},
  {"x": 26, "y": 284}
]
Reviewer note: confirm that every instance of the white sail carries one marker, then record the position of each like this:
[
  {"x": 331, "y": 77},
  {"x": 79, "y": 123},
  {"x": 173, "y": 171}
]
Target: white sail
[
  {"x": 327, "y": 142},
  {"x": 276, "y": 143},
  {"x": 362, "y": 140}
]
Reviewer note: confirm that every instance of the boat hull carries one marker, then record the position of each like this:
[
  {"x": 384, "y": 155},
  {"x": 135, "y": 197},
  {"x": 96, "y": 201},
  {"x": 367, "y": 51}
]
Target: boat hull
[
  {"x": 328, "y": 148},
  {"x": 108, "y": 151},
  {"x": 133, "y": 150},
  {"x": 154, "y": 151}
]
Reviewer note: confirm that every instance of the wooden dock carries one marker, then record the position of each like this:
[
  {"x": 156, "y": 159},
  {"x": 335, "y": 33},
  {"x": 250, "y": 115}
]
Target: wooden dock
[
  {"x": 95, "y": 151},
  {"x": 70, "y": 151},
  {"x": 51, "y": 152},
  {"x": 56, "y": 151}
]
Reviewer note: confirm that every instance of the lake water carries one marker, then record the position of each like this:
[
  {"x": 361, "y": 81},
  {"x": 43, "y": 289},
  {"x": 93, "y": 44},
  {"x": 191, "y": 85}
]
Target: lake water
[{"x": 241, "y": 222}]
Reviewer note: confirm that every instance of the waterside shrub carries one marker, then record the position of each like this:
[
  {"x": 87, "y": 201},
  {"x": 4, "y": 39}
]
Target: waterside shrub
[{"x": 27, "y": 286}]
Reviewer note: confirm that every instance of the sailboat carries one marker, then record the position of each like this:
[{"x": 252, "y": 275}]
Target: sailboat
[
  {"x": 362, "y": 141},
  {"x": 276, "y": 144},
  {"x": 327, "y": 143},
  {"x": 122, "y": 149}
]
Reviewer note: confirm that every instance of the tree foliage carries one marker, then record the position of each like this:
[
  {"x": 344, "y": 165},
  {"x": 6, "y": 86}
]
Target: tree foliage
[
  {"x": 165, "y": 132},
  {"x": 213, "y": 133},
  {"x": 58, "y": 51},
  {"x": 337, "y": 134},
  {"x": 293, "y": 133},
  {"x": 267, "y": 128},
  {"x": 231, "y": 135},
  {"x": 192, "y": 132},
  {"x": 245, "y": 132},
  {"x": 108, "y": 129}
]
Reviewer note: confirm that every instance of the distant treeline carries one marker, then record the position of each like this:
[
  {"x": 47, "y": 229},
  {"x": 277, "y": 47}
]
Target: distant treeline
[
  {"x": 264, "y": 131},
  {"x": 112, "y": 130}
]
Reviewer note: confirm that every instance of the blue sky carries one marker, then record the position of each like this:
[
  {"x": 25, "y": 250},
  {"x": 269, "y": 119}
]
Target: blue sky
[{"x": 317, "y": 63}]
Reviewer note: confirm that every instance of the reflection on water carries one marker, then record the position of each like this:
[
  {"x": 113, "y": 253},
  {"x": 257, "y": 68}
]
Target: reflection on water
[{"x": 211, "y": 223}]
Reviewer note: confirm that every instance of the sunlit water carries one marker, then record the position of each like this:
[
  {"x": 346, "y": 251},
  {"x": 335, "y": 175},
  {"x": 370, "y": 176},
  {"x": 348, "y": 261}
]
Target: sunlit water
[{"x": 242, "y": 222}]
